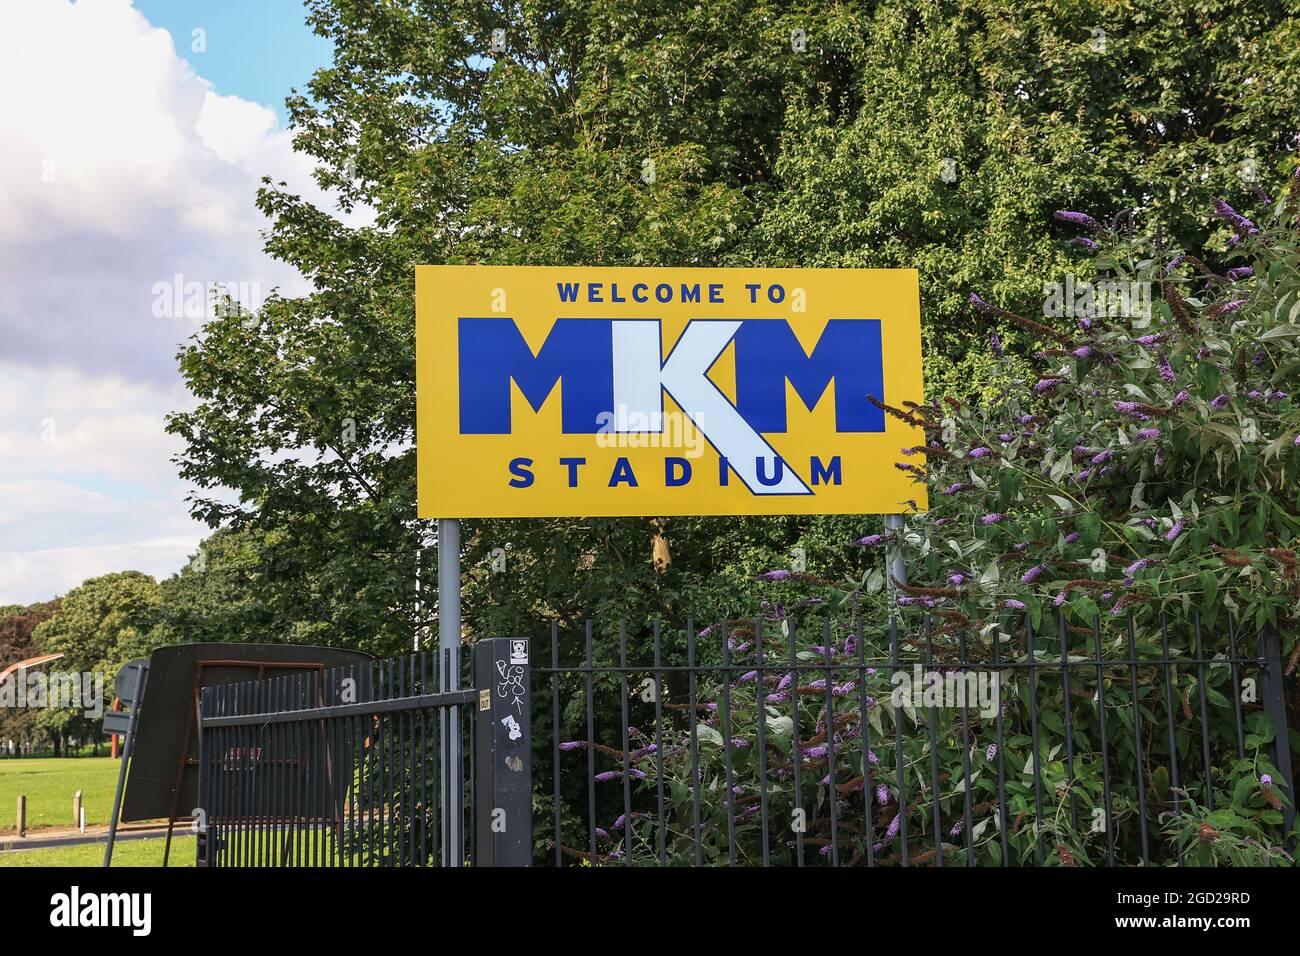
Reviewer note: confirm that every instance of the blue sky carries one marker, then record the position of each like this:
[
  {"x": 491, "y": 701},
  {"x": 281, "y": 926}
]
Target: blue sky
[
  {"x": 256, "y": 49},
  {"x": 128, "y": 176}
]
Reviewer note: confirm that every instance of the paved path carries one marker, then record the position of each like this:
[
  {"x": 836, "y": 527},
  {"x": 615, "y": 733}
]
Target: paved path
[{"x": 45, "y": 839}]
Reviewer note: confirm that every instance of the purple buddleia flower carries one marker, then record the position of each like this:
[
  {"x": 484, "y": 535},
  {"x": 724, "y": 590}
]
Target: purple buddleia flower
[
  {"x": 850, "y": 645},
  {"x": 1087, "y": 243},
  {"x": 1047, "y": 384},
  {"x": 748, "y": 678},
  {"x": 780, "y": 574},
  {"x": 1182, "y": 397},
  {"x": 573, "y": 745},
  {"x": 1241, "y": 272},
  {"x": 1166, "y": 370},
  {"x": 1265, "y": 781},
  {"x": 872, "y": 758},
  {"x": 1072, "y": 537},
  {"x": 1077, "y": 219},
  {"x": 1236, "y": 219},
  {"x": 979, "y": 303},
  {"x": 1102, "y": 457},
  {"x": 954, "y": 488},
  {"x": 995, "y": 343},
  {"x": 977, "y": 452},
  {"x": 1084, "y": 323},
  {"x": 956, "y": 829},
  {"x": 1277, "y": 396},
  {"x": 1176, "y": 530},
  {"x": 786, "y": 681},
  {"x": 958, "y": 579},
  {"x": 895, "y": 825},
  {"x": 993, "y": 518},
  {"x": 1006, "y": 437},
  {"x": 1174, "y": 263},
  {"x": 607, "y": 775},
  {"x": 992, "y": 753},
  {"x": 882, "y": 795},
  {"x": 1258, "y": 358},
  {"x": 1255, "y": 394},
  {"x": 1032, "y": 575},
  {"x": 1137, "y": 566},
  {"x": 869, "y": 540},
  {"x": 1220, "y": 401},
  {"x": 1084, "y": 352},
  {"x": 1060, "y": 598},
  {"x": 1147, "y": 434},
  {"x": 1012, "y": 604}
]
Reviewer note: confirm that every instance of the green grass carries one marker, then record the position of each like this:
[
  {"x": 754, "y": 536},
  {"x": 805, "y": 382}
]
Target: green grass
[
  {"x": 131, "y": 853},
  {"x": 49, "y": 783}
]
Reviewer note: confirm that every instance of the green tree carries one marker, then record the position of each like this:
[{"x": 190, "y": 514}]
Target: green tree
[
  {"x": 102, "y": 624},
  {"x": 17, "y": 643},
  {"x": 724, "y": 133},
  {"x": 212, "y": 597}
]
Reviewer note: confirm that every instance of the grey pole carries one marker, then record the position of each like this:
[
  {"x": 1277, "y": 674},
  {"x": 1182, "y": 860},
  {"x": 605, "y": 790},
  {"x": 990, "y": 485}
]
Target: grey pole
[
  {"x": 449, "y": 657},
  {"x": 897, "y": 569}
]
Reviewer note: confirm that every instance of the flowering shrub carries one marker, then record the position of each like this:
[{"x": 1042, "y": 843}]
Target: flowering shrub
[{"x": 1133, "y": 503}]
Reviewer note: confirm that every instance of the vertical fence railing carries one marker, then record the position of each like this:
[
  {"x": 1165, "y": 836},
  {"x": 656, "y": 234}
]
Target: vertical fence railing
[
  {"x": 337, "y": 769},
  {"x": 922, "y": 744},
  {"x": 763, "y": 743}
]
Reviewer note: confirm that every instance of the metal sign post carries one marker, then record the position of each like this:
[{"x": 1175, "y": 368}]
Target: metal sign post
[
  {"x": 449, "y": 721},
  {"x": 130, "y": 689}
]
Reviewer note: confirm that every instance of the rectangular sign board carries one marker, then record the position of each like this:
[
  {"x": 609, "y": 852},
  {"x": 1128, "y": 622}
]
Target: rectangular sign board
[{"x": 562, "y": 391}]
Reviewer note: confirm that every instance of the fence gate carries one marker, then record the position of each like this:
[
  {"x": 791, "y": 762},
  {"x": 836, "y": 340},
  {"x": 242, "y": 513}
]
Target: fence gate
[{"x": 381, "y": 764}]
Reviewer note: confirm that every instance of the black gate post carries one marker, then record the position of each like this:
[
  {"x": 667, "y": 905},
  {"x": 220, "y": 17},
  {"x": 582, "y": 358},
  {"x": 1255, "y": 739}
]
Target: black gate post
[
  {"x": 503, "y": 762},
  {"x": 202, "y": 845},
  {"x": 1274, "y": 691}
]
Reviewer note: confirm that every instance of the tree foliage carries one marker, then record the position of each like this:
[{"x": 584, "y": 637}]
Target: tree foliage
[{"x": 657, "y": 133}]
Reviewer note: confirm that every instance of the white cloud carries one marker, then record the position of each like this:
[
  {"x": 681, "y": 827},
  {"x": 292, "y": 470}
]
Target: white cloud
[{"x": 120, "y": 169}]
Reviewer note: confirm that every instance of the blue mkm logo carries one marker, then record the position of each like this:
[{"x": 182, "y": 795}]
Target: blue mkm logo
[{"x": 610, "y": 364}]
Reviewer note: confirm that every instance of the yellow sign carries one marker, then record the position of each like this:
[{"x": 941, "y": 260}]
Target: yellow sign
[{"x": 632, "y": 391}]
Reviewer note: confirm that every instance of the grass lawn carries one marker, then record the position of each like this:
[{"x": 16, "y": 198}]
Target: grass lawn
[
  {"x": 131, "y": 853},
  {"x": 49, "y": 783}
]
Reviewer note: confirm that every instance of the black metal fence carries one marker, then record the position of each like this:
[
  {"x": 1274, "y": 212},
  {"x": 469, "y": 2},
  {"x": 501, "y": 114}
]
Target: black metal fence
[
  {"x": 759, "y": 743},
  {"x": 354, "y": 766},
  {"x": 765, "y": 743}
]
